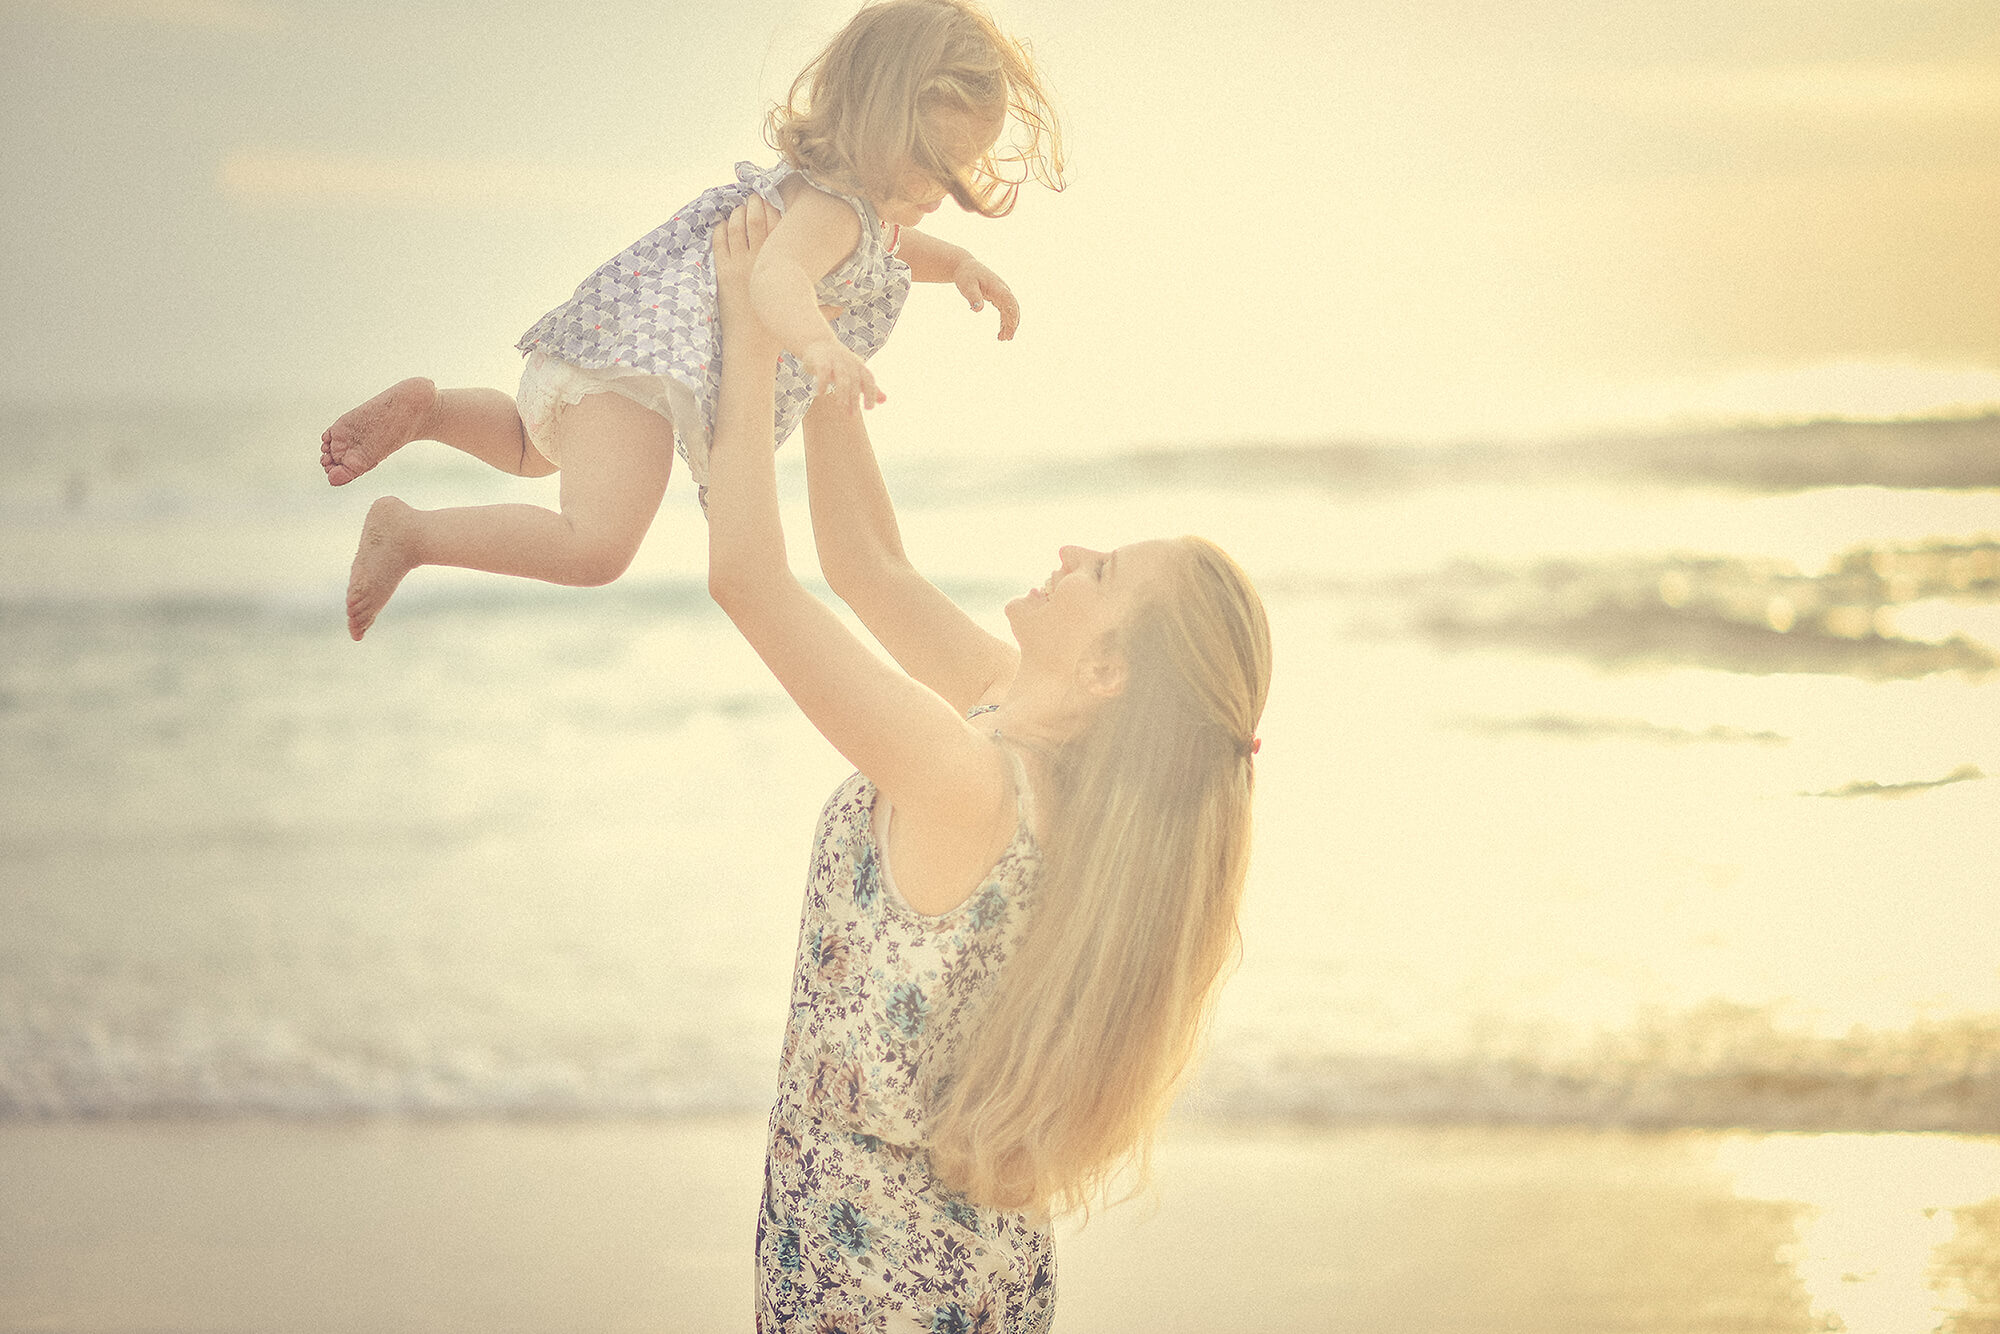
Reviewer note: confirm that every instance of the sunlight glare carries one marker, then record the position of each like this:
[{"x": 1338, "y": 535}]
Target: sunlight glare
[{"x": 1879, "y": 1213}]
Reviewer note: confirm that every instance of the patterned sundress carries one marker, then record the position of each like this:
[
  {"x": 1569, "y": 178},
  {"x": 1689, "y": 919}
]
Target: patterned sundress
[
  {"x": 651, "y": 308},
  {"x": 855, "y": 1236}
]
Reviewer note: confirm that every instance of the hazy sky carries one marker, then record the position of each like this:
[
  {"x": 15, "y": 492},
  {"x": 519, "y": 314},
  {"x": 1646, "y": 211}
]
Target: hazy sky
[{"x": 1413, "y": 218}]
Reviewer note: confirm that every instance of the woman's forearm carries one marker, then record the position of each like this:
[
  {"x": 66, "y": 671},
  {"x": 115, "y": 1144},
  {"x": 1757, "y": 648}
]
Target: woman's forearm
[
  {"x": 746, "y": 541},
  {"x": 861, "y": 554},
  {"x": 854, "y": 522},
  {"x": 782, "y": 292}
]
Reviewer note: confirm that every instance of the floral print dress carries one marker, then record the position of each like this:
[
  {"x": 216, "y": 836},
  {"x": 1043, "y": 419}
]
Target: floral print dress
[{"x": 855, "y": 1236}]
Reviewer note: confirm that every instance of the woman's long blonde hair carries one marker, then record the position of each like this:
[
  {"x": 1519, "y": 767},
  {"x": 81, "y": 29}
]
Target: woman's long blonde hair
[
  {"x": 876, "y": 103},
  {"x": 1075, "y": 1057}
]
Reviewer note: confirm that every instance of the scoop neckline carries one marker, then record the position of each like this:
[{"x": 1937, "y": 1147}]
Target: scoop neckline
[{"x": 881, "y": 809}]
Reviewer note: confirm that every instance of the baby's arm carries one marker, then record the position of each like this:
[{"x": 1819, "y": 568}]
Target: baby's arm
[
  {"x": 935, "y": 261},
  {"x": 815, "y": 233}
]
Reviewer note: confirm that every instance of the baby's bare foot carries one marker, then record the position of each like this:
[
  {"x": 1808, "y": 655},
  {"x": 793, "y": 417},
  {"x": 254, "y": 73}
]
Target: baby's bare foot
[
  {"x": 386, "y": 554},
  {"x": 366, "y": 435}
]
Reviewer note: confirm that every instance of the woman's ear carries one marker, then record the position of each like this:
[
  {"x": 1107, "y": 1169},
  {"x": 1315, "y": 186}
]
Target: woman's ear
[{"x": 1102, "y": 671}]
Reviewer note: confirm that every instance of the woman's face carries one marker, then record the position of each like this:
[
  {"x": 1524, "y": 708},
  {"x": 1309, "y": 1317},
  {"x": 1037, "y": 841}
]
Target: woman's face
[{"x": 1089, "y": 594}]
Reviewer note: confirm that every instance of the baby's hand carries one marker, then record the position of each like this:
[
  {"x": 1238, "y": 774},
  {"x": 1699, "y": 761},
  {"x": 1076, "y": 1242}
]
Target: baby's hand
[
  {"x": 980, "y": 285},
  {"x": 841, "y": 375}
]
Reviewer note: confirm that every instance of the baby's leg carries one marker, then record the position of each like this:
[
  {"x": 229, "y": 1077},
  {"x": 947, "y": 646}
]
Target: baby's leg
[
  {"x": 616, "y": 460},
  {"x": 482, "y": 422}
]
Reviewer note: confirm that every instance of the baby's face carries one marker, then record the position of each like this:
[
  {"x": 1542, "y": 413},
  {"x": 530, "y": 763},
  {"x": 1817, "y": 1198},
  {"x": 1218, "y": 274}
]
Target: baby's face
[
  {"x": 916, "y": 200},
  {"x": 919, "y": 194}
]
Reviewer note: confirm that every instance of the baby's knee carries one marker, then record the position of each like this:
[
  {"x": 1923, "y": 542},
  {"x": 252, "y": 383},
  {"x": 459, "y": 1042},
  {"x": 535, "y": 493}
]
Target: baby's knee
[{"x": 595, "y": 563}]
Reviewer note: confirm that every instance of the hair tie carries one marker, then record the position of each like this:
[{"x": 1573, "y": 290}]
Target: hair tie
[{"x": 1256, "y": 744}]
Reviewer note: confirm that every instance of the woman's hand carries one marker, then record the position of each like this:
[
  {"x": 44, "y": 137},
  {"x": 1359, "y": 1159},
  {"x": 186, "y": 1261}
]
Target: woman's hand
[{"x": 734, "y": 245}]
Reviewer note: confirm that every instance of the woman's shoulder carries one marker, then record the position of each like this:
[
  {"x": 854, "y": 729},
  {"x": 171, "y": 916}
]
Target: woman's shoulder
[{"x": 945, "y": 853}]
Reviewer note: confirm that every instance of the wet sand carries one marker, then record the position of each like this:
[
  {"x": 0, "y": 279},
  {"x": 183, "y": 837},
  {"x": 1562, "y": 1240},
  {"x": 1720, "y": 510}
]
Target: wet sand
[{"x": 634, "y": 1225}]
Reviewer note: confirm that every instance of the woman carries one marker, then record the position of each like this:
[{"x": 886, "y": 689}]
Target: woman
[{"x": 1018, "y": 908}]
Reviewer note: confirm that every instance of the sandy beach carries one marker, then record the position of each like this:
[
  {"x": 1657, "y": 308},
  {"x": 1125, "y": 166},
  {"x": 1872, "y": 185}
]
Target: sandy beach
[{"x": 636, "y": 1225}]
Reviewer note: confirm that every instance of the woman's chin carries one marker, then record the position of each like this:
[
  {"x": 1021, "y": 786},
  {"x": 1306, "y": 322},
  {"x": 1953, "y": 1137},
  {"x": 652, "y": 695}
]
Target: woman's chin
[
  {"x": 1032, "y": 598},
  {"x": 1016, "y": 608}
]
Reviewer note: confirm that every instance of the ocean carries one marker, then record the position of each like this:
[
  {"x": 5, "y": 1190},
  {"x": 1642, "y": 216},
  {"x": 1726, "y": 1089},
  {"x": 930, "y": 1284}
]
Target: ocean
[{"x": 1638, "y": 781}]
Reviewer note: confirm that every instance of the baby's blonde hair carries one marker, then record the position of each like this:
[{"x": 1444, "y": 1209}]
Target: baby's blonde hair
[{"x": 872, "y": 106}]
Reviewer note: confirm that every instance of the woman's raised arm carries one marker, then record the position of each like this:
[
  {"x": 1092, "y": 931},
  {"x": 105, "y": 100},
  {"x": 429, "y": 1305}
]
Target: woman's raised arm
[
  {"x": 861, "y": 554},
  {"x": 914, "y": 745}
]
